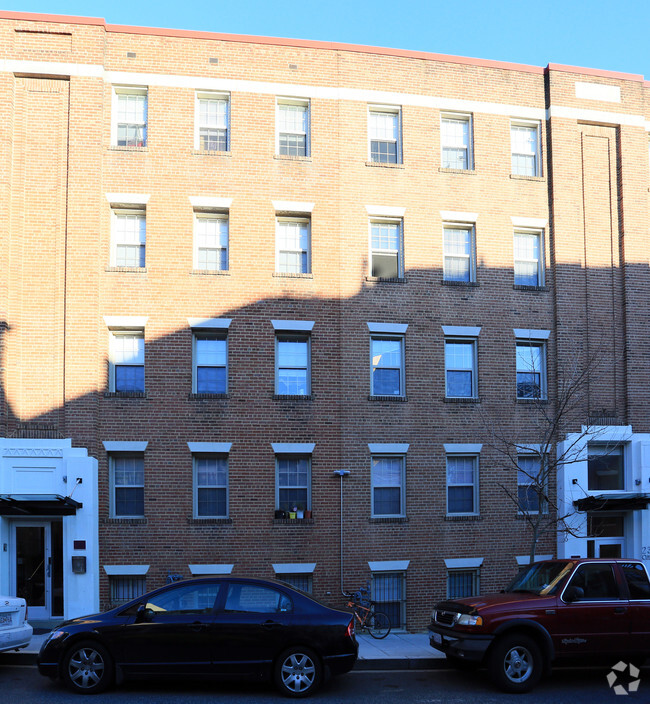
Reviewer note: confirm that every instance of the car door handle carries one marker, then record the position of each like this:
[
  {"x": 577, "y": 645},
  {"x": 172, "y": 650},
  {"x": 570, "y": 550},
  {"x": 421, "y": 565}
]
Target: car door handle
[
  {"x": 271, "y": 624},
  {"x": 620, "y": 610},
  {"x": 197, "y": 626}
]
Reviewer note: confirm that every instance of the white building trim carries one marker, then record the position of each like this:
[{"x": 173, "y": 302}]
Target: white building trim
[
  {"x": 389, "y": 565},
  {"x": 125, "y": 446},
  {"x": 292, "y": 206},
  {"x": 209, "y": 323},
  {"x": 455, "y": 448},
  {"x": 293, "y": 325},
  {"x": 388, "y": 448},
  {"x": 385, "y": 211},
  {"x": 529, "y": 222},
  {"x": 220, "y": 448},
  {"x": 201, "y": 570},
  {"x": 525, "y": 334},
  {"x": 293, "y": 448},
  {"x": 125, "y": 570},
  {"x": 460, "y": 331},
  {"x": 459, "y": 563},
  {"x": 457, "y": 216},
  {"x": 294, "y": 567},
  {"x": 210, "y": 202},
  {"x": 388, "y": 328}
]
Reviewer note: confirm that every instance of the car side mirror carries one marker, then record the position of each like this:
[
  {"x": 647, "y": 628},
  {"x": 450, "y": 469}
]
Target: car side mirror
[
  {"x": 574, "y": 594},
  {"x": 143, "y": 614}
]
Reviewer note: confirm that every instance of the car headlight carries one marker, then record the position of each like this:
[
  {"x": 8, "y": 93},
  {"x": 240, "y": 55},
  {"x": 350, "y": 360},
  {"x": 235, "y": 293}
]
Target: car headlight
[
  {"x": 470, "y": 620},
  {"x": 55, "y": 635}
]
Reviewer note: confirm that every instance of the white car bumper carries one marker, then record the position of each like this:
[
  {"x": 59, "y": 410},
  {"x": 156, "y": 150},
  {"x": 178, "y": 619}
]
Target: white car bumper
[{"x": 15, "y": 638}]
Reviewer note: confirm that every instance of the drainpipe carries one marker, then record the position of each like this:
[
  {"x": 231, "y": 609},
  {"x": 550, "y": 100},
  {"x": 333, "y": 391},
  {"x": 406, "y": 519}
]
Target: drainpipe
[{"x": 341, "y": 473}]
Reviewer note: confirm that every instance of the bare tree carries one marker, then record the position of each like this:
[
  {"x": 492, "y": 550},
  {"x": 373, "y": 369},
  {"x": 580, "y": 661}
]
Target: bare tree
[{"x": 535, "y": 461}]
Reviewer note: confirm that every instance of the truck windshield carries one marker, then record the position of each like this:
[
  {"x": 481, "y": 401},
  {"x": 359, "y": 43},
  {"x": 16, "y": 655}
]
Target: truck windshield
[{"x": 541, "y": 577}]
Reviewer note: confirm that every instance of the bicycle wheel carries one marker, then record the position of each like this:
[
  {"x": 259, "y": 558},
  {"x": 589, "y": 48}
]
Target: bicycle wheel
[{"x": 378, "y": 625}]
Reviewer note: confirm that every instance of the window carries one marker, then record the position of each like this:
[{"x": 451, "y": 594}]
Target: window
[
  {"x": 293, "y": 254},
  {"x": 524, "y": 139},
  {"x": 460, "y": 368},
  {"x": 210, "y": 363},
  {"x": 124, "y": 588},
  {"x": 532, "y": 484},
  {"x": 254, "y": 598},
  {"x": 386, "y": 249},
  {"x": 293, "y": 482},
  {"x": 384, "y": 134},
  {"x": 388, "y": 482},
  {"x": 129, "y": 238},
  {"x": 462, "y": 484},
  {"x": 531, "y": 370},
  {"x": 462, "y": 583},
  {"x": 293, "y": 127},
  {"x": 637, "y": 581},
  {"x": 186, "y": 599},
  {"x": 210, "y": 485},
  {"x": 459, "y": 254},
  {"x": 387, "y": 365},
  {"x": 127, "y": 484},
  {"x": 293, "y": 366},
  {"x": 529, "y": 269},
  {"x": 126, "y": 361},
  {"x": 389, "y": 595},
  {"x": 130, "y": 117},
  {"x": 456, "y": 141},
  {"x": 298, "y": 581},
  {"x": 598, "y": 582},
  {"x": 210, "y": 241},
  {"x": 211, "y": 124},
  {"x": 605, "y": 468}
]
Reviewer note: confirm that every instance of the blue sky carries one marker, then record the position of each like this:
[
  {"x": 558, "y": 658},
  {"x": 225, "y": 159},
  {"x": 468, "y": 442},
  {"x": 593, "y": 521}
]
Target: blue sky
[{"x": 591, "y": 33}]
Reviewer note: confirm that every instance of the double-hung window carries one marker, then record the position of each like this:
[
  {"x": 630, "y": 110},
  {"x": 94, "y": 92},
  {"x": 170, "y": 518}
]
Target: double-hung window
[
  {"x": 387, "y": 375},
  {"x": 129, "y": 128},
  {"x": 531, "y": 363},
  {"x": 210, "y": 362},
  {"x": 524, "y": 138},
  {"x": 210, "y": 241},
  {"x": 126, "y": 361},
  {"x": 462, "y": 484},
  {"x": 292, "y": 119},
  {"x": 293, "y": 245},
  {"x": 386, "y": 248},
  {"x": 461, "y": 377},
  {"x": 210, "y": 485},
  {"x": 384, "y": 134},
  {"x": 127, "y": 484},
  {"x": 293, "y": 364},
  {"x": 129, "y": 235},
  {"x": 532, "y": 484},
  {"x": 459, "y": 253},
  {"x": 293, "y": 482},
  {"x": 211, "y": 131},
  {"x": 388, "y": 479},
  {"x": 529, "y": 258},
  {"x": 456, "y": 141}
]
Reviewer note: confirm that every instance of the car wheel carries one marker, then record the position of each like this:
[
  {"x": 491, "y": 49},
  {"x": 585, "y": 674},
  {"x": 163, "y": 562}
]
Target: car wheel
[
  {"x": 298, "y": 672},
  {"x": 87, "y": 668},
  {"x": 515, "y": 663}
]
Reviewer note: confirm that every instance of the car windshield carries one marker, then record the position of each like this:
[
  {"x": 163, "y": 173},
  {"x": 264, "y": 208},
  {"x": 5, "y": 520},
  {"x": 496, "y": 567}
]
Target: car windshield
[{"x": 540, "y": 578}]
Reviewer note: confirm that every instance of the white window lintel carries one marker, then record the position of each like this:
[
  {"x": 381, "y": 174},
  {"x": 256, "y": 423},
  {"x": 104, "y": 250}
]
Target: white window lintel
[
  {"x": 388, "y": 328},
  {"x": 125, "y": 445},
  {"x": 459, "y": 563},
  {"x": 460, "y": 331},
  {"x": 293, "y": 325},
  {"x": 213, "y": 202},
  {"x": 294, "y": 567},
  {"x": 385, "y": 211},
  {"x": 524, "y": 334},
  {"x": 535, "y": 223},
  {"x": 210, "y": 569},
  {"x": 388, "y": 448},
  {"x": 221, "y": 448},
  {"x": 292, "y": 206},
  {"x": 293, "y": 448},
  {"x": 455, "y": 448},
  {"x": 116, "y": 199},
  {"x": 125, "y": 570},
  {"x": 125, "y": 322},
  {"x": 209, "y": 323},
  {"x": 457, "y": 216},
  {"x": 389, "y": 565}
]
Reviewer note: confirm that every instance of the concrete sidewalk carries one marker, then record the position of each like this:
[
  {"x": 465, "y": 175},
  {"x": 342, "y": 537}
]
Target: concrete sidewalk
[{"x": 398, "y": 651}]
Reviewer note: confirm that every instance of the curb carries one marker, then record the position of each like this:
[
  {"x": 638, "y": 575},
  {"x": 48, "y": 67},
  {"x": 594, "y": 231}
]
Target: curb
[
  {"x": 375, "y": 664},
  {"x": 9, "y": 659}
]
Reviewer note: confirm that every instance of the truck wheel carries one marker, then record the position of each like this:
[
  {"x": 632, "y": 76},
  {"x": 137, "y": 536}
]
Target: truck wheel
[{"x": 515, "y": 663}]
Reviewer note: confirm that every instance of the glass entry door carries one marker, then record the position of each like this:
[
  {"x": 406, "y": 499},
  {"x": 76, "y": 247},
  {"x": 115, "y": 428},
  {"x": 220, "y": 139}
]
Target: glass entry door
[{"x": 38, "y": 567}]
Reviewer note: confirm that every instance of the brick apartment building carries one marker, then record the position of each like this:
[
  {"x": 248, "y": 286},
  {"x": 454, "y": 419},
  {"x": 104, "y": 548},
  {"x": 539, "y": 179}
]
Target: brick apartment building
[{"x": 262, "y": 301}]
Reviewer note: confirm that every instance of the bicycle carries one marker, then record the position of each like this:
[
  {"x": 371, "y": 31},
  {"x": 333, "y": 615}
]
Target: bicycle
[{"x": 376, "y": 623}]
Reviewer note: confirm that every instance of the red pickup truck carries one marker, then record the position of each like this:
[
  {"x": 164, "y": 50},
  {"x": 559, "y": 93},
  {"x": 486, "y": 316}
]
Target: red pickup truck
[{"x": 553, "y": 610}]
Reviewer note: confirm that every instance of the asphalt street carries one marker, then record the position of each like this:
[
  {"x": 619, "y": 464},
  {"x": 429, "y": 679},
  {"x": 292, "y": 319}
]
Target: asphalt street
[{"x": 566, "y": 686}]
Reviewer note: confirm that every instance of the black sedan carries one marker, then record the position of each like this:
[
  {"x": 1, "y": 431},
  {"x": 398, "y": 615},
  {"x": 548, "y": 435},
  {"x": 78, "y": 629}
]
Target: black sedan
[{"x": 215, "y": 626}]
